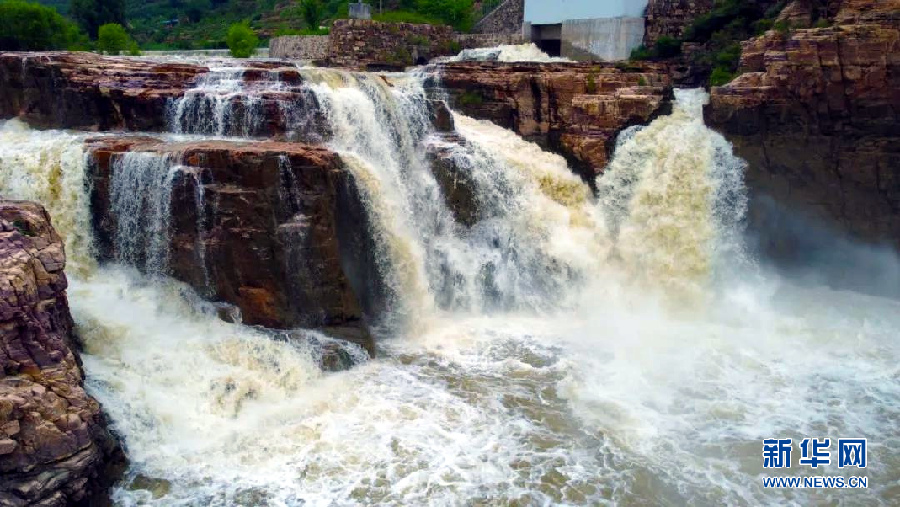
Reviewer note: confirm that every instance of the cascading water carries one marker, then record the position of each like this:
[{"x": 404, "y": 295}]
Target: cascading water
[
  {"x": 141, "y": 195},
  {"x": 228, "y": 102},
  {"x": 546, "y": 353},
  {"x": 507, "y": 53}
]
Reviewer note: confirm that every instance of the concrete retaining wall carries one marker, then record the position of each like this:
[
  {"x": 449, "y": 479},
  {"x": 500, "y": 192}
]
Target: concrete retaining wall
[{"x": 609, "y": 39}]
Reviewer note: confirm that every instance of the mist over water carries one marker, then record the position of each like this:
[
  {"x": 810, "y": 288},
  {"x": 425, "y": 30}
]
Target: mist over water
[{"x": 562, "y": 349}]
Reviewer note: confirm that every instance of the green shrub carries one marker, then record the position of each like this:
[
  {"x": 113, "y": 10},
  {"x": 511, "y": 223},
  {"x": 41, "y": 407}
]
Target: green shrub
[
  {"x": 591, "y": 85},
  {"x": 822, "y": 23},
  {"x": 241, "y": 40},
  {"x": 763, "y": 26},
  {"x": 312, "y": 13},
  {"x": 92, "y": 14},
  {"x": 133, "y": 48},
  {"x": 112, "y": 39},
  {"x": 642, "y": 81},
  {"x": 667, "y": 47},
  {"x": 783, "y": 26},
  {"x": 720, "y": 76},
  {"x": 729, "y": 57},
  {"x": 33, "y": 27},
  {"x": 470, "y": 99},
  {"x": 641, "y": 53}
]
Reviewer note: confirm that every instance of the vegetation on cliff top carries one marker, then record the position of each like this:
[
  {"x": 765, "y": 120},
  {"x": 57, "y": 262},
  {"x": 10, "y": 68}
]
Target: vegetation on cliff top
[{"x": 715, "y": 38}]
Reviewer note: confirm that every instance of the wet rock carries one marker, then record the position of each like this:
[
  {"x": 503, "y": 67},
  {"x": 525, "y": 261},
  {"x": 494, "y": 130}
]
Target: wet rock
[
  {"x": 815, "y": 113},
  {"x": 254, "y": 224},
  {"x": 55, "y": 447},
  {"x": 92, "y": 92},
  {"x": 88, "y": 91},
  {"x": 574, "y": 109},
  {"x": 457, "y": 187}
]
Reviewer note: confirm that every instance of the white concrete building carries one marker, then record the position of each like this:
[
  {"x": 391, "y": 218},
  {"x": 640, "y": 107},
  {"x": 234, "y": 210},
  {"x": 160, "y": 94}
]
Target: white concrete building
[{"x": 586, "y": 29}]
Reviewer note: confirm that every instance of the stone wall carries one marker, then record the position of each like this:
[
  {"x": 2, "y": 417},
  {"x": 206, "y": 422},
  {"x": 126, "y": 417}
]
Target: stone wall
[
  {"x": 300, "y": 47},
  {"x": 506, "y": 19},
  {"x": 55, "y": 448},
  {"x": 380, "y": 45},
  {"x": 363, "y": 44},
  {"x": 671, "y": 17}
]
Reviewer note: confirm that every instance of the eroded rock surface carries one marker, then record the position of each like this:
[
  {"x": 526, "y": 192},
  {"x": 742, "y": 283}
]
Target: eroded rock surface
[
  {"x": 252, "y": 224},
  {"x": 815, "y": 113},
  {"x": 88, "y": 91},
  {"x": 574, "y": 109},
  {"x": 55, "y": 448}
]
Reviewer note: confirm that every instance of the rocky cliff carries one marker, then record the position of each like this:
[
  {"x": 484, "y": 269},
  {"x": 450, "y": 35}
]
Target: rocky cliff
[
  {"x": 815, "y": 113},
  {"x": 252, "y": 224},
  {"x": 55, "y": 448},
  {"x": 575, "y": 109}
]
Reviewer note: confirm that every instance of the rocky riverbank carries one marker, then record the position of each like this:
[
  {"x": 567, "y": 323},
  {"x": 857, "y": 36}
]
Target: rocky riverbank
[{"x": 55, "y": 445}]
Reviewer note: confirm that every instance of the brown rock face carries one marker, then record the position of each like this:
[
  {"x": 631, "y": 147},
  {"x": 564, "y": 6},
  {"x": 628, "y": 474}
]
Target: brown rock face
[
  {"x": 87, "y": 91},
  {"x": 55, "y": 448},
  {"x": 91, "y": 92},
  {"x": 252, "y": 224},
  {"x": 816, "y": 115},
  {"x": 574, "y": 109}
]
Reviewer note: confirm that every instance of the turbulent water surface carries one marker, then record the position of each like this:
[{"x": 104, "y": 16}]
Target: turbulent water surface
[{"x": 566, "y": 349}]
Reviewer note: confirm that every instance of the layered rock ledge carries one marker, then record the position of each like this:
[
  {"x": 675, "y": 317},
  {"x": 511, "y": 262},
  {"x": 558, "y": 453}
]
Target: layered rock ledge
[
  {"x": 55, "y": 448},
  {"x": 815, "y": 113},
  {"x": 86, "y": 91},
  {"x": 574, "y": 109},
  {"x": 266, "y": 226}
]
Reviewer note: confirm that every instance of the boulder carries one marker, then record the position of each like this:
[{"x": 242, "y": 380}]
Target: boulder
[{"x": 55, "y": 446}]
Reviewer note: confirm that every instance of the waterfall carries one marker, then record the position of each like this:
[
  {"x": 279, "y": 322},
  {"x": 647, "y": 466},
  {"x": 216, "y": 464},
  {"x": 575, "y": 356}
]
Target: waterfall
[
  {"x": 543, "y": 345},
  {"x": 233, "y": 101},
  {"x": 673, "y": 198},
  {"x": 141, "y": 199},
  {"x": 48, "y": 167}
]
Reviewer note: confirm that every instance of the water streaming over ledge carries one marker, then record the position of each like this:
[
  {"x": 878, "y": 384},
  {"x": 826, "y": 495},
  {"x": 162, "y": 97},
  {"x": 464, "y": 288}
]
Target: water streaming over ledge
[{"x": 560, "y": 350}]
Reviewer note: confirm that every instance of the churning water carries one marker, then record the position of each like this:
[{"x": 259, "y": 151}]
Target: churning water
[{"x": 561, "y": 349}]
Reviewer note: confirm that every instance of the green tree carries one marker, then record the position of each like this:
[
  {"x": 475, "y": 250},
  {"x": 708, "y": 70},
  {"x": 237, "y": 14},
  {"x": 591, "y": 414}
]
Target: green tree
[
  {"x": 112, "y": 39},
  {"x": 33, "y": 27},
  {"x": 91, "y": 14},
  {"x": 241, "y": 40},
  {"x": 195, "y": 9},
  {"x": 312, "y": 13}
]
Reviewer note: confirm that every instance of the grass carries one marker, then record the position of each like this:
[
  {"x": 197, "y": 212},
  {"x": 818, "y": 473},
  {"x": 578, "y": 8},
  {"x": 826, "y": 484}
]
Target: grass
[{"x": 406, "y": 17}]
